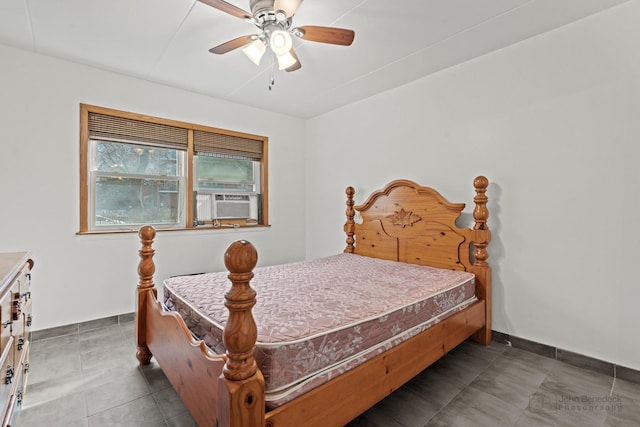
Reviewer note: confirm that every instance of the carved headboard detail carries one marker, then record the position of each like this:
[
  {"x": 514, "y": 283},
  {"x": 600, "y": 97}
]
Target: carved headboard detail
[{"x": 403, "y": 218}]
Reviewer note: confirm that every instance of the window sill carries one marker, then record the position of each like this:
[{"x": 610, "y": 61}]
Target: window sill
[{"x": 208, "y": 227}]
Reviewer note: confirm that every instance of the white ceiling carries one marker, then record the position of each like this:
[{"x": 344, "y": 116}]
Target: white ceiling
[{"x": 167, "y": 41}]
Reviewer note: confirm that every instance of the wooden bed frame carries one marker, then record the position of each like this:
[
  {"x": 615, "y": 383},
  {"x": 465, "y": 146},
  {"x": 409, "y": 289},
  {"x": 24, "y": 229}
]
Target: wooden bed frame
[{"x": 403, "y": 222}]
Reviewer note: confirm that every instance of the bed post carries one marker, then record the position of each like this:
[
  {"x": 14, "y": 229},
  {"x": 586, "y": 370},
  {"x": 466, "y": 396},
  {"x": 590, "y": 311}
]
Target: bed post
[
  {"x": 481, "y": 239},
  {"x": 241, "y": 387},
  {"x": 146, "y": 268},
  {"x": 350, "y": 224}
]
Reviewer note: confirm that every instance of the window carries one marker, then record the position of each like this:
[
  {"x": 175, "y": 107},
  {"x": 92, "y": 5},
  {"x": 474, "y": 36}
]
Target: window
[
  {"x": 223, "y": 173},
  {"x": 136, "y": 184},
  {"x": 139, "y": 170}
]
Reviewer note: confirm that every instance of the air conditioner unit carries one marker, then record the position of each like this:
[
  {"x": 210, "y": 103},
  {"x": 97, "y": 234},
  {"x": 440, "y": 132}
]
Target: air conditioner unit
[{"x": 230, "y": 206}]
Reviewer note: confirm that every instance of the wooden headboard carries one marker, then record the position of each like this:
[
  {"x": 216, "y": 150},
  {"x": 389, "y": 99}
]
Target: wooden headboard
[{"x": 410, "y": 223}]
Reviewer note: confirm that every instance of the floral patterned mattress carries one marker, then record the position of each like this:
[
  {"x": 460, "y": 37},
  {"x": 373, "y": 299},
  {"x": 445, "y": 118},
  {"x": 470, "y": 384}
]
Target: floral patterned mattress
[{"x": 319, "y": 318}]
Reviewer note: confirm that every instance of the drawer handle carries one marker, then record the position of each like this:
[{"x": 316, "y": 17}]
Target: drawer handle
[
  {"x": 20, "y": 343},
  {"x": 7, "y": 323},
  {"x": 17, "y": 306},
  {"x": 29, "y": 320},
  {"x": 9, "y": 377}
]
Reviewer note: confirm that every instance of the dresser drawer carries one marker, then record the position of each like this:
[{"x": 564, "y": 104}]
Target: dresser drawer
[
  {"x": 7, "y": 370},
  {"x": 21, "y": 299},
  {"x": 18, "y": 390},
  {"x": 15, "y": 400},
  {"x": 24, "y": 368}
]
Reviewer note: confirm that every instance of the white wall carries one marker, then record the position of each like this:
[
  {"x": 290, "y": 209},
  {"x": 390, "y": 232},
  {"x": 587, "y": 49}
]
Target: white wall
[
  {"x": 78, "y": 278},
  {"x": 553, "y": 122}
]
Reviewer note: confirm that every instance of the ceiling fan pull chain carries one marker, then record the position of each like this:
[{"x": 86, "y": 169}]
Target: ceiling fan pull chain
[{"x": 272, "y": 79}]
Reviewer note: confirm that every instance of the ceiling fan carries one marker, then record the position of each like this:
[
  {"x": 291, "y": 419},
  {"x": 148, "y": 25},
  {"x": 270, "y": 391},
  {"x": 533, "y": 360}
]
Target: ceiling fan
[{"x": 274, "y": 18}]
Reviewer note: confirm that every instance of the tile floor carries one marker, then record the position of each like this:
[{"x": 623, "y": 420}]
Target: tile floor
[{"x": 91, "y": 378}]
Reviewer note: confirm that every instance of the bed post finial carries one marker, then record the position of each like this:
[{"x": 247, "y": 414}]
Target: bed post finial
[
  {"x": 241, "y": 388},
  {"x": 146, "y": 268},
  {"x": 480, "y": 213},
  {"x": 240, "y": 332},
  {"x": 350, "y": 224}
]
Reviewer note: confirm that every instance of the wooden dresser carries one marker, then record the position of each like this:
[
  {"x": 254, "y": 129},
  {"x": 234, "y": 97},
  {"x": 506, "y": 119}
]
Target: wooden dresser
[{"x": 15, "y": 332}]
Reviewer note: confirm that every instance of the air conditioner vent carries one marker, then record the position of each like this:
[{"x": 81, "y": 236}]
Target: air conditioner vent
[{"x": 227, "y": 206}]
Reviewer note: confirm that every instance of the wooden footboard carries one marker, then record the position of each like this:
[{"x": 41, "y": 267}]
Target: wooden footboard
[
  {"x": 223, "y": 390},
  {"x": 188, "y": 365}
]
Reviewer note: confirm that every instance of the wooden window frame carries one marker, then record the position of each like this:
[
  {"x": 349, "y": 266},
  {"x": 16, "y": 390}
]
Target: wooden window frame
[{"x": 85, "y": 109}]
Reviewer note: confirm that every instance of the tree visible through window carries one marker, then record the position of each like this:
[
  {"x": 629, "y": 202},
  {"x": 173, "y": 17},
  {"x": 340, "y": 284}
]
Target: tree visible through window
[
  {"x": 139, "y": 170},
  {"x": 137, "y": 184}
]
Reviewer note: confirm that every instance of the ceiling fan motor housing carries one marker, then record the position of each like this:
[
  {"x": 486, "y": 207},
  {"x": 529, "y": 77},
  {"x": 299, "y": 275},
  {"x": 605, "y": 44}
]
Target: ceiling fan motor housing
[{"x": 263, "y": 13}]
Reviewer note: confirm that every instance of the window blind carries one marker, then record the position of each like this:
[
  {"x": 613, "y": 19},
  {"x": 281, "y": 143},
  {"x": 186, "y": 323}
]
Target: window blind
[
  {"x": 229, "y": 145},
  {"x": 116, "y": 128}
]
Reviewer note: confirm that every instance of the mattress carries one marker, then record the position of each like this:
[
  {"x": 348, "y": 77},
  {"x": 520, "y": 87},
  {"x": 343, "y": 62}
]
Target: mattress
[{"x": 317, "y": 319}]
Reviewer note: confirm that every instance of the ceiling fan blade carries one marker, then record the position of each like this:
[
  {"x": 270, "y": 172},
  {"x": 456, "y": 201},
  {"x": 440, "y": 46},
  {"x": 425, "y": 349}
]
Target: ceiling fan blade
[
  {"x": 232, "y": 44},
  {"x": 295, "y": 66},
  {"x": 289, "y": 7},
  {"x": 228, "y": 8},
  {"x": 325, "y": 34}
]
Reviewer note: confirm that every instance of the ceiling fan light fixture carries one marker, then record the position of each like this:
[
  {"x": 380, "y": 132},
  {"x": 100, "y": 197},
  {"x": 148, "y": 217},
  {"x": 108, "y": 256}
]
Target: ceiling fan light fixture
[
  {"x": 280, "y": 16},
  {"x": 285, "y": 60},
  {"x": 280, "y": 42},
  {"x": 255, "y": 50}
]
